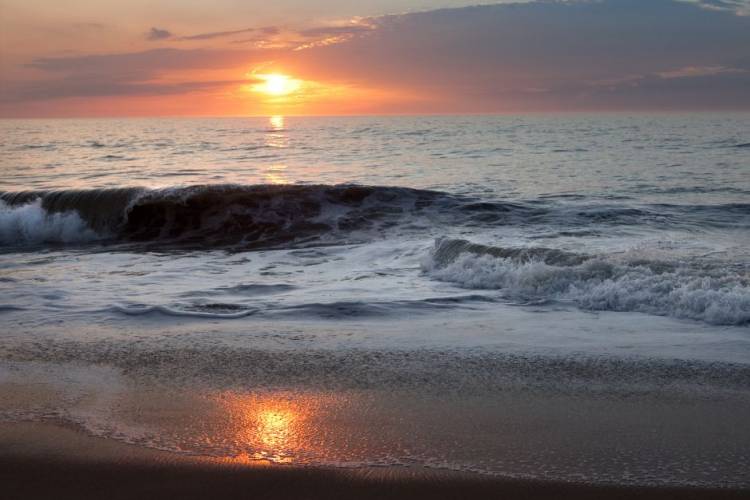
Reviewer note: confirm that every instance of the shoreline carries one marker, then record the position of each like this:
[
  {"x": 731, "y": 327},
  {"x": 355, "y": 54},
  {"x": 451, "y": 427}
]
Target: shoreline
[{"x": 41, "y": 460}]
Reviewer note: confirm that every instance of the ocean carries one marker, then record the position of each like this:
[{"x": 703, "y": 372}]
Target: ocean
[{"x": 545, "y": 296}]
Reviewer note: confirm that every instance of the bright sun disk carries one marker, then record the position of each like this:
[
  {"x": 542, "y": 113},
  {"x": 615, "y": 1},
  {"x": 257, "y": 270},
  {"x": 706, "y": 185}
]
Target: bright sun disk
[{"x": 276, "y": 84}]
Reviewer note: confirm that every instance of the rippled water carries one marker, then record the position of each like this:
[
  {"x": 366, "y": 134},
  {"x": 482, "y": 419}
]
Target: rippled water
[
  {"x": 266, "y": 270},
  {"x": 660, "y": 158}
]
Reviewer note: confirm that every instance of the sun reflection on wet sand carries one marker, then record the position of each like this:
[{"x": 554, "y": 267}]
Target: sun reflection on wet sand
[
  {"x": 277, "y": 428},
  {"x": 274, "y": 429}
]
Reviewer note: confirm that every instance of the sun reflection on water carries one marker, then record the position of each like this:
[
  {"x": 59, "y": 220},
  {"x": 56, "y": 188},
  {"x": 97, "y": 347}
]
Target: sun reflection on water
[
  {"x": 274, "y": 174},
  {"x": 278, "y": 428},
  {"x": 276, "y": 122},
  {"x": 276, "y": 136}
]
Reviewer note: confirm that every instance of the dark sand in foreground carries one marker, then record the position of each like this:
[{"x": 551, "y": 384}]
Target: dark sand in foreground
[{"x": 50, "y": 461}]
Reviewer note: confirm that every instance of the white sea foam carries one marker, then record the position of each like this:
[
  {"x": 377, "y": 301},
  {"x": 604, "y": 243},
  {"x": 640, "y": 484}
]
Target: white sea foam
[
  {"x": 602, "y": 284},
  {"x": 31, "y": 224}
]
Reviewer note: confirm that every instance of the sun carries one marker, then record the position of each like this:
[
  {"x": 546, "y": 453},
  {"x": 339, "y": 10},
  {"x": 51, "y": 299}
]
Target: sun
[{"x": 276, "y": 84}]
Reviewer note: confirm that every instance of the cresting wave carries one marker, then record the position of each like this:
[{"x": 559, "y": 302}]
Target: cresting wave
[
  {"x": 31, "y": 224},
  {"x": 273, "y": 216},
  {"x": 718, "y": 296},
  {"x": 259, "y": 216}
]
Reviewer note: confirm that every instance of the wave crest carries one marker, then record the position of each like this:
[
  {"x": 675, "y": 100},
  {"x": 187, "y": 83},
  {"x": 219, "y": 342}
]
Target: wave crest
[
  {"x": 32, "y": 224},
  {"x": 259, "y": 216},
  {"x": 595, "y": 283},
  {"x": 273, "y": 216}
]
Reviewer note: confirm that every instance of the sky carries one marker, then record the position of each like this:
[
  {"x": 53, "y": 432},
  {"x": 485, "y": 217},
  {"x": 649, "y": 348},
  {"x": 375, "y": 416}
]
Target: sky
[{"x": 239, "y": 57}]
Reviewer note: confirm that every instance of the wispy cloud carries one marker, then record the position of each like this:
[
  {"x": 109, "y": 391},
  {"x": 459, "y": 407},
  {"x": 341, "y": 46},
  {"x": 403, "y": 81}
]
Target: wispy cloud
[
  {"x": 739, "y": 7},
  {"x": 106, "y": 87},
  {"x": 155, "y": 34},
  {"x": 158, "y": 34},
  {"x": 155, "y": 61},
  {"x": 129, "y": 74},
  {"x": 326, "y": 31},
  {"x": 322, "y": 36},
  {"x": 683, "y": 72},
  {"x": 698, "y": 71},
  {"x": 217, "y": 34}
]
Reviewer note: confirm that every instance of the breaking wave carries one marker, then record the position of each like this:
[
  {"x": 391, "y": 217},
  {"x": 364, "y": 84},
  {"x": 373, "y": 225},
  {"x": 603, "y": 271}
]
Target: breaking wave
[
  {"x": 32, "y": 224},
  {"x": 600, "y": 283},
  {"x": 259, "y": 216},
  {"x": 274, "y": 216}
]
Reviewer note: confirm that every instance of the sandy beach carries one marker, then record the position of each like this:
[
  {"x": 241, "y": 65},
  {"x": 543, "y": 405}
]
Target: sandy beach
[{"x": 43, "y": 460}]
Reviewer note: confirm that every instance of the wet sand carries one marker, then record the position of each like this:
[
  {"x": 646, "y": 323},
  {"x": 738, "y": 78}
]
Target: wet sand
[{"x": 44, "y": 460}]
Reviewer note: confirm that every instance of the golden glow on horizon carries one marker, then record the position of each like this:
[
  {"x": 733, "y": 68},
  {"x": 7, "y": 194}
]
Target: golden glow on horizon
[
  {"x": 315, "y": 96},
  {"x": 276, "y": 84},
  {"x": 277, "y": 93}
]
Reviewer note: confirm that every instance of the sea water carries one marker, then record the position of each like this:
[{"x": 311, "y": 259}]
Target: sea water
[{"x": 558, "y": 289}]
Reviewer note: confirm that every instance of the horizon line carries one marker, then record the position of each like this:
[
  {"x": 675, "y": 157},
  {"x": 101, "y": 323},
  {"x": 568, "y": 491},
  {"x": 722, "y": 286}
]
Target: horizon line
[{"x": 396, "y": 115}]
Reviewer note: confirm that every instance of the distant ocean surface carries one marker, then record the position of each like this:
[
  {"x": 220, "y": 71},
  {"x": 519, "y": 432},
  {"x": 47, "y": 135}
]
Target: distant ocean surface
[{"x": 601, "y": 254}]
